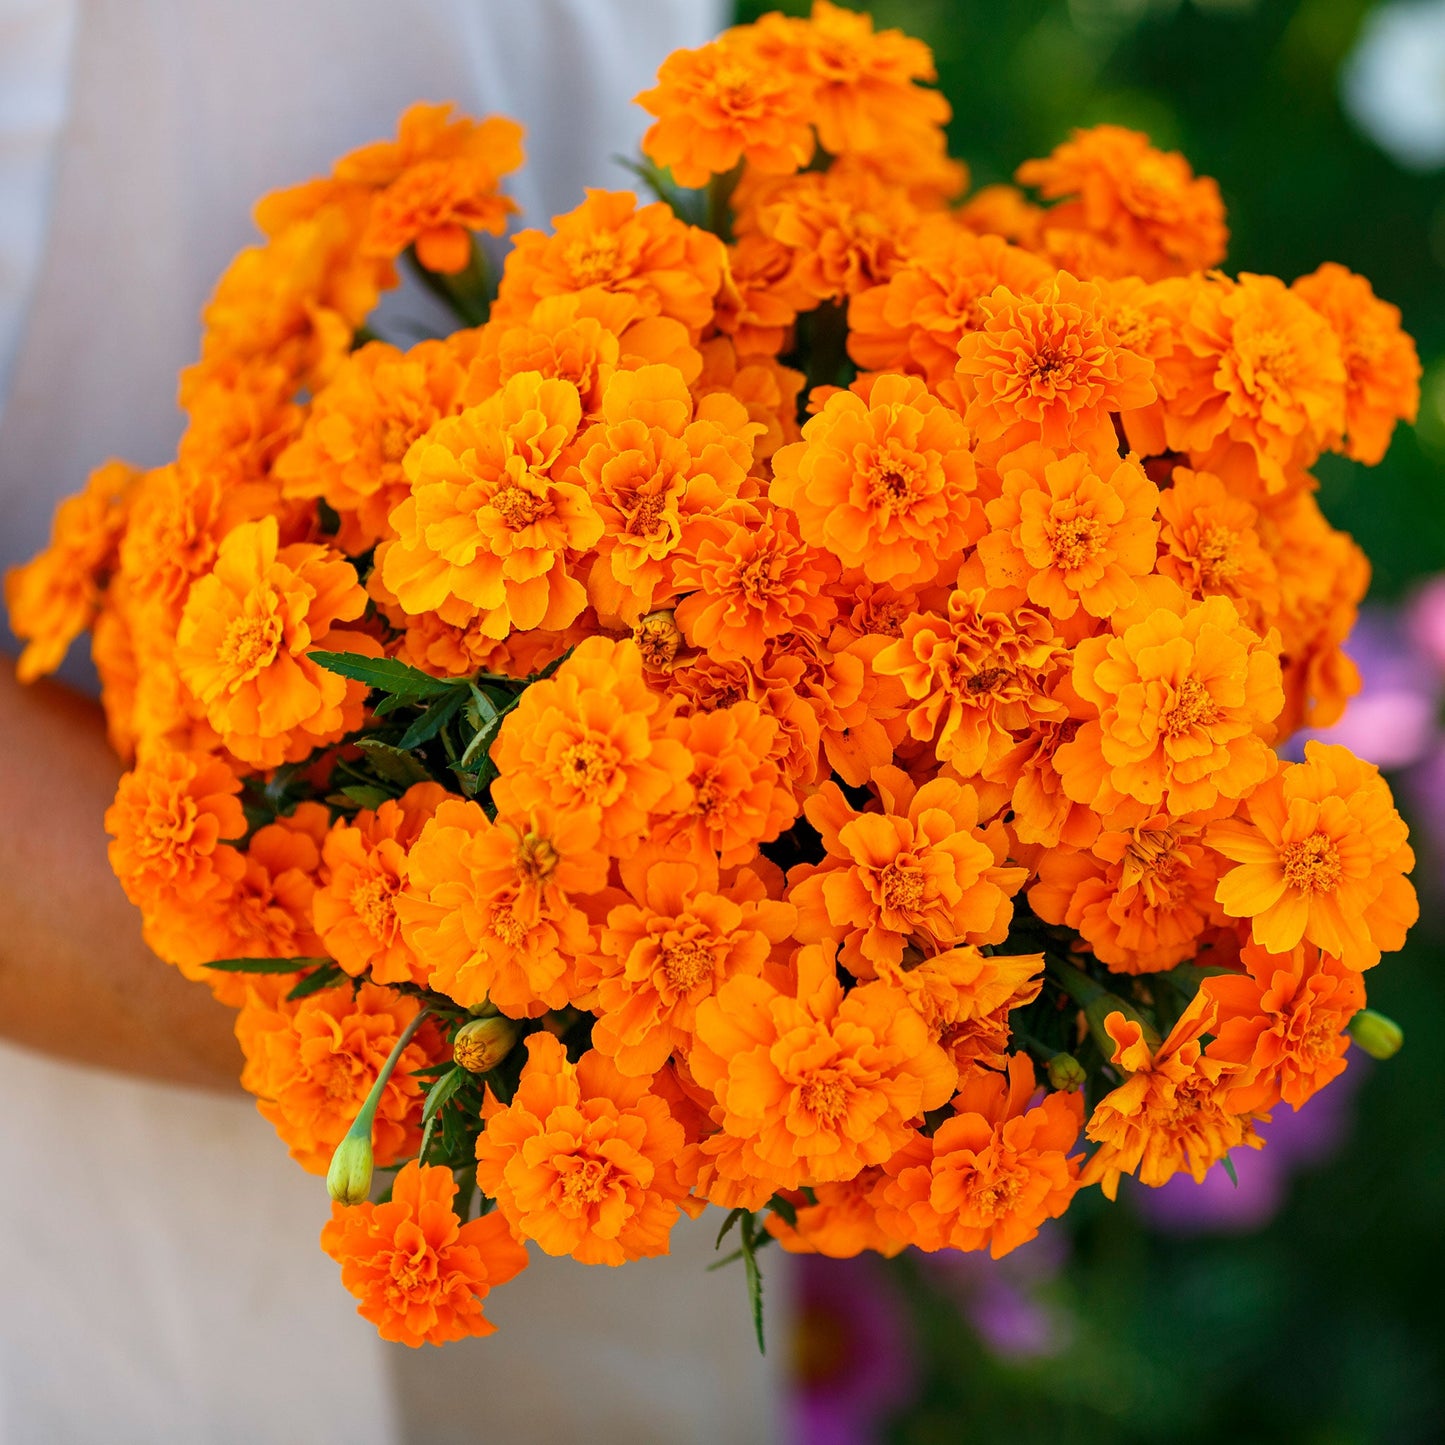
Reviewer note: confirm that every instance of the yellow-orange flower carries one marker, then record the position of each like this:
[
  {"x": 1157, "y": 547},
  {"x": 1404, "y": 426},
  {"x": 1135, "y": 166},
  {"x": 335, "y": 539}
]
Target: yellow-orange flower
[
  {"x": 420, "y": 1273},
  {"x": 1322, "y": 856},
  {"x": 582, "y": 1159}
]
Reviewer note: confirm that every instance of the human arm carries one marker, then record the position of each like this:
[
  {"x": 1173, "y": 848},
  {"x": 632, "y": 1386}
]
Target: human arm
[{"x": 76, "y": 979}]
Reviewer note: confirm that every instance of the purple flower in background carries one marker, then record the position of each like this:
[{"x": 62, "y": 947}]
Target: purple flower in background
[
  {"x": 999, "y": 1297},
  {"x": 852, "y": 1356}
]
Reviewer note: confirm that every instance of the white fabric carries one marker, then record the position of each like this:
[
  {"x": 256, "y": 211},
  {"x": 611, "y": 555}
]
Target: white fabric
[{"x": 159, "y": 1273}]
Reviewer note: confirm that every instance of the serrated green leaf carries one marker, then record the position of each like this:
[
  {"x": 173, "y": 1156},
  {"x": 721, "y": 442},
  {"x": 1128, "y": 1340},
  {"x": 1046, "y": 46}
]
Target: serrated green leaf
[
  {"x": 754, "y": 1277},
  {"x": 727, "y": 1225},
  {"x": 385, "y": 674},
  {"x": 431, "y": 722},
  {"x": 315, "y": 982},
  {"x": 366, "y": 795},
  {"x": 393, "y": 762},
  {"x": 265, "y": 965},
  {"x": 441, "y": 1091}
]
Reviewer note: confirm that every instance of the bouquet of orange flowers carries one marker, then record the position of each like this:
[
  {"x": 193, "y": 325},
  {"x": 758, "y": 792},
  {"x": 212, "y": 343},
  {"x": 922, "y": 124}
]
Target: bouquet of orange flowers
[{"x": 781, "y": 709}]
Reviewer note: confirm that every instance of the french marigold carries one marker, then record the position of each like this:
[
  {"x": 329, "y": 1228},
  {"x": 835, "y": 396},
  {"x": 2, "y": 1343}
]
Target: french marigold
[
  {"x": 1139, "y": 897},
  {"x": 842, "y": 1222},
  {"x": 1185, "y": 704},
  {"x": 582, "y": 1159},
  {"x": 921, "y": 869},
  {"x": 1044, "y": 814},
  {"x": 992, "y": 1173},
  {"x": 1285, "y": 1020},
  {"x": 1321, "y": 856},
  {"x": 814, "y": 1084},
  {"x": 1382, "y": 367},
  {"x": 592, "y": 739},
  {"x": 491, "y": 907},
  {"x": 421, "y": 1273},
  {"x": 668, "y": 267},
  {"x": 1049, "y": 367},
  {"x": 722, "y": 104},
  {"x": 676, "y": 940},
  {"x": 1146, "y": 207},
  {"x": 490, "y": 524},
  {"x": 1172, "y": 1112},
  {"x": 54, "y": 597},
  {"x": 173, "y": 824},
  {"x": 355, "y": 908},
  {"x": 884, "y": 484},
  {"x": 244, "y": 637},
  {"x": 311, "y": 1063},
  {"x": 1069, "y": 533}
]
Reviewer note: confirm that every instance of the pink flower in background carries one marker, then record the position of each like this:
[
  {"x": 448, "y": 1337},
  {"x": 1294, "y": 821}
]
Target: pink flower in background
[{"x": 1000, "y": 1297}]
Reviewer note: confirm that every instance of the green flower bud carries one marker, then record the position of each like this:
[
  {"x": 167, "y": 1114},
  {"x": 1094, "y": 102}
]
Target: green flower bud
[
  {"x": 348, "y": 1180},
  {"x": 482, "y": 1044},
  {"x": 1378, "y": 1036},
  {"x": 1065, "y": 1072}
]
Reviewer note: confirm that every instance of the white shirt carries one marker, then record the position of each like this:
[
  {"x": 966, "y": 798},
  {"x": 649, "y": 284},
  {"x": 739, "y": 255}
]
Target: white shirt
[{"x": 160, "y": 1276}]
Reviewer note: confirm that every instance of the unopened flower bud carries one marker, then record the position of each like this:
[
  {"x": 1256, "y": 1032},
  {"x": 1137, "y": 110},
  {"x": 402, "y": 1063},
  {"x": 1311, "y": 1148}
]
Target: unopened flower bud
[
  {"x": 1378, "y": 1036},
  {"x": 348, "y": 1180},
  {"x": 1065, "y": 1072},
  {"x": 482, "y": 1044},
  {"x": 659, "y": 638}
]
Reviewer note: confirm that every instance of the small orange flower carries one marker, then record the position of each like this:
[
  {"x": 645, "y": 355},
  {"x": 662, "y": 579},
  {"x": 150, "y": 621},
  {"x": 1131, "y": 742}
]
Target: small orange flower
[
  {"x": 1322, "y": 856},
  {"x": 815, "y": 1085},
  {"x": 842, "y": 1223},
  {"x": 884, "y": 484},
  {"x": 991, "y": 1174},
  {"x": 1071, "y": 534},
  {"x": 920, "y": 869},
  {"x": 1382, "y": 367},
  {"x": 244, "y": 638},
  {"x": 583, "y": 1159},
  {"x": 420, "y": 1273},
  {"x": 355, "y": 909}
]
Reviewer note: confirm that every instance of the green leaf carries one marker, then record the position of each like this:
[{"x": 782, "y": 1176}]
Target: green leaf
[
  {"x": 728, "y": 1223},
  {"x": 265, "y": 965},
  {"x": 385, "y": 674},
  {"x": 366, "y": 796},
  {"x": 754, "y": 1277},
  {"x": 1228, "y": 1165},
  {"x": 431, "y": 722},
  {"x": 441, "y": 1091},
  {"x": 395, "y": 764},
  {"x": 784, "y": 1209},
  {"x": 324, "y": 977}
]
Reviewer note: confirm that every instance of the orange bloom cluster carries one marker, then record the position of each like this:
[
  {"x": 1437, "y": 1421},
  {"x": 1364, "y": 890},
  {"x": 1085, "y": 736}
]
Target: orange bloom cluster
[{"x": 735, "y": 724}]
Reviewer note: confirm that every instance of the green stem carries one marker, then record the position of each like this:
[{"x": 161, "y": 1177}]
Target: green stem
[
  {"x": 719, "y": 195},
  {"x": 1098, "y": 1003},
  {"x": 361, "y": 1125}
]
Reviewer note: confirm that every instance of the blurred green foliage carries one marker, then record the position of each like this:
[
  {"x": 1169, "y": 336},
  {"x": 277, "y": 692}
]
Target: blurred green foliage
[{"x": 1327, "y": 1327}]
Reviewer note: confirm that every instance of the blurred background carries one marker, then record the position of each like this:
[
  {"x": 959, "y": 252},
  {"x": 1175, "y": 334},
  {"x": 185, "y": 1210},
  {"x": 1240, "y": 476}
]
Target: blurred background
[{"x": 1303, "y": 1306}]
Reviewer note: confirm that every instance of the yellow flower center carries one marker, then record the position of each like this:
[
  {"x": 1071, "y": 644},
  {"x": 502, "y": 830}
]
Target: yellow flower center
[
  {"x": 517, "y": 508},
  {"x": 1312, "y": 865},
  {"x": 901, "y": 886},
  {"x": 686, "y": 962},
  {"x": 589, "y": 767},
  {"x": 584, "y": 1181},
  {"x": 646, "y": 514},
  {"x": 250, "y": 644},
  {"x": 506, "y": 926},
  {"x": 396, "y": 437},
  {"x": 537, "y": 859},
  {"x": 1076, "y": 542},
  {"x": 988, "y": 679},
  {"x": 593, "y": 260},
  {"x": 825, "y": 1096},
  {"x": 373, "y": 901},
  {"x": 1192, "y": 707},
  {"x": 1216, "y": 558}
]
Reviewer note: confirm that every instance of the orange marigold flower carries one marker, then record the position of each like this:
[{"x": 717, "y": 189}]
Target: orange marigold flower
[
  {"x": 1153, "y": 217},
  {"x": 814, "y": 1084},
  {"x": 724, "y": 103},
  {"x": 1255, "y": 384},
  {"x": 311, "y": 1063},
  {"x": 842, "y": 1223},
  {"x": 755, "y": 305},
  {"x": 420, "y": 1273},
  {"x": 767, "y": 390},
  {"x": 244, "y": 638},
  {"x": 1285, "y": 1021},
  {"x": 671, "y": 945},
  {"x": 884, "y": 484},
  {"x": 1070, "y": 534},
  {"x": 1043, "y": 812},
  {"x": 1209, "y": 544},
  {"x": 54, "y": 597},
  {"x": 737, "y": 796},
  {"x": 915, "y": 320},
  {"x": 361, "y": 425},
  {"x": 1382, "y": 367},
  {"x": 490, "y": 908},
  {"x": 590, "y": 740},
  {"x": 991, "y": 1174},
  {"x": 976, "y": 676},
  {"x": 1049, "y": 367},
  {"x": 1185, "y": 704},
  {"x": 751, "y": 583},
  {"x": 1174, "y": 1110},
  {"x": 172, "y": 824},
  {"x": 1322, "y": 857},
  {"x": 488, "y": 528},
  {"x": 670, "y": 268},
  {"x": 355, "y": 909},
  {"x": 920, "y": 868},
  {"x": 583, "y": 1159},
  {"x": 1139, "y": 897}
]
